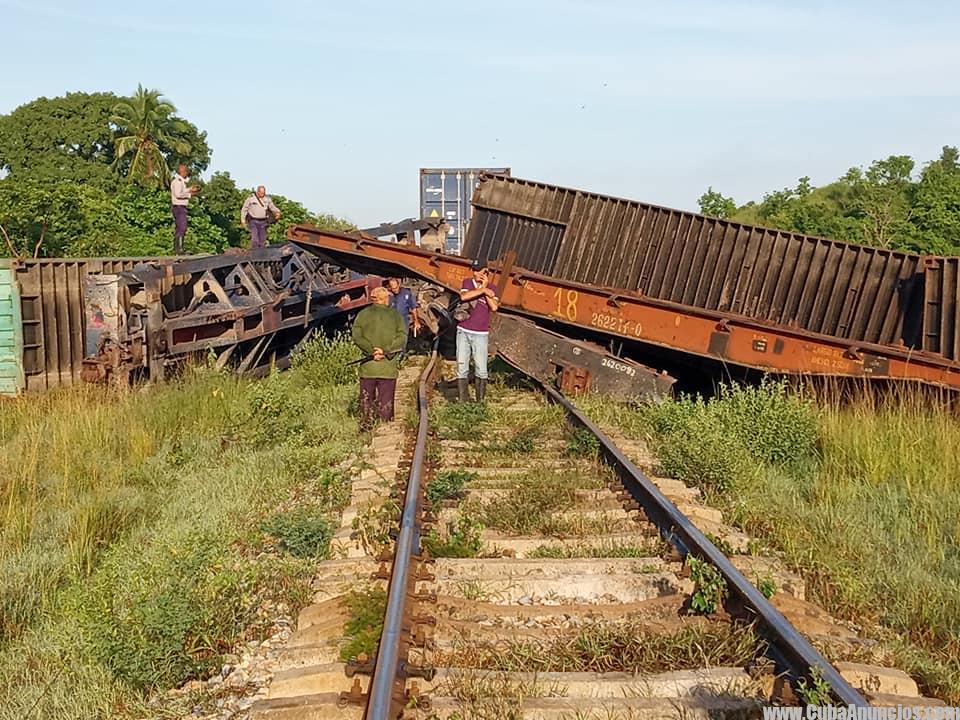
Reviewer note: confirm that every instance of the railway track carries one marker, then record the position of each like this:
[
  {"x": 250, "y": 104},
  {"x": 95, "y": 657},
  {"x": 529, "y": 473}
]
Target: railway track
[{"x": 536, "y": 572}]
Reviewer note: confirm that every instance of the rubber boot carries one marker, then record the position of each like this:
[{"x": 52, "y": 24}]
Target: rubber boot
[
  {"x": 481, "y": 389},
  {"x": 462, "y": 389}
]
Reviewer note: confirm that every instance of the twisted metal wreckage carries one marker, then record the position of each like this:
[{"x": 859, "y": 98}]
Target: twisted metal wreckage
[{"x": 248, "y": 310}]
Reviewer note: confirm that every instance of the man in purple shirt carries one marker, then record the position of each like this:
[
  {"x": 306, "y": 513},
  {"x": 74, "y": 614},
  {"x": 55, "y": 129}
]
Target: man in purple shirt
[{"x": 473, "y": 333}]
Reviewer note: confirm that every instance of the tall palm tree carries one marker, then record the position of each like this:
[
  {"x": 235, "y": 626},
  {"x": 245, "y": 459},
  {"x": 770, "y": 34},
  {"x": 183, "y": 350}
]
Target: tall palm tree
[{"x": 145, "y": 124}]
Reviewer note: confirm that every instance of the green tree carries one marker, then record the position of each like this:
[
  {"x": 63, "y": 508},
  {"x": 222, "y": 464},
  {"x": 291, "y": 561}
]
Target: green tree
[
  {"x": 882, "y": 199},
  {"x": 714, "y": 204},
  {"x": 221, "y": 199},
  {"x": 38, "y": 218},
  {"x": 936, "y": 205},
  {"x": 148, "y": 133},
  {"x": 43, "y": 219},
  {"x": 63, "y": 138}
]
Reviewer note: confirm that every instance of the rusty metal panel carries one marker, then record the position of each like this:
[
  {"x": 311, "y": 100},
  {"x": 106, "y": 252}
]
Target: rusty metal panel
[
  {"x": 51, "y": 300},
  {"x": 863, "y": 294},
  {"x": 941, "y": 316}
]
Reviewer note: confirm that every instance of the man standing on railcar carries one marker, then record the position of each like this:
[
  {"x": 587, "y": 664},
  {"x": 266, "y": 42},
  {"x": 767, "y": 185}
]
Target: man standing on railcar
[
  {"x": 478, "y": 298},
  {"x": 255, "y": 215},
  {"x": 180, "y": 194},
  {"x": 379, "y": 333}
]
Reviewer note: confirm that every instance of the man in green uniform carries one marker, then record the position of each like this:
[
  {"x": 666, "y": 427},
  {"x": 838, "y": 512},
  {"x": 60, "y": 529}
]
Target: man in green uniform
[{"x": 379, "y": 332}]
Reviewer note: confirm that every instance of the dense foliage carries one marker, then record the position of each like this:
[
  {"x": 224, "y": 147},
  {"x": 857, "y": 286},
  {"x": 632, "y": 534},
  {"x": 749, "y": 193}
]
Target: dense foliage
[
  {"x": 86, "y": 174},
  {"x": 888, "y": 205}
]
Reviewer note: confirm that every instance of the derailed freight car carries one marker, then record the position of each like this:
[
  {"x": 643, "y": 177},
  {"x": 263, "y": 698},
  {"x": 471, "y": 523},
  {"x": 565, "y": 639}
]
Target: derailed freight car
[
  {"x": 593, "y": 266},
  {"x": 862, "y": 294}
]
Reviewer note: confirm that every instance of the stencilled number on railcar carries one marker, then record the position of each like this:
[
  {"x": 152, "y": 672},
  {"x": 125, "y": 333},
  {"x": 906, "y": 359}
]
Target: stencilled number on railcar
[
  {"x": 619, "y": 367},
  {"x": 615, "y": 324},
  {"x": 566, "y": 303}
]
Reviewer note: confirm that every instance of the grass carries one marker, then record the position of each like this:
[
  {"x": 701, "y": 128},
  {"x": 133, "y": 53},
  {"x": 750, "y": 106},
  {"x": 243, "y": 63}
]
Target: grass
[
  {"x": 602, "y": 550},
  {"x": 534, "y": 503},
  {"x": 491, "y": 696},
  {"x": 616, "y": 647},
  {"x": 449, "y": 485},
  {"x": 141, "y": 530},
  {"x": 367, "y": 609},
  {"x": 462, "y": 538},
  {"x": 861, "y": 495}
]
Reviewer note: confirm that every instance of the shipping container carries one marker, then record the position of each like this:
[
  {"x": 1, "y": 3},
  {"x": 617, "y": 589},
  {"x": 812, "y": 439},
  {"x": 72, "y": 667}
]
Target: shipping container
[
  {"x": 446, "y": 193},
  {"x": 860, "y": 293},
  {"x": 11, "y": 337},
  {"x": 52, "y": 314}
]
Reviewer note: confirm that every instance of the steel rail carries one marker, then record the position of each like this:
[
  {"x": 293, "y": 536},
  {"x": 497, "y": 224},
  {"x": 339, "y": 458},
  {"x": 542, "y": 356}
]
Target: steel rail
[
  {"x": 792, "y": 648},
  {"x": 381, "y": 697}
]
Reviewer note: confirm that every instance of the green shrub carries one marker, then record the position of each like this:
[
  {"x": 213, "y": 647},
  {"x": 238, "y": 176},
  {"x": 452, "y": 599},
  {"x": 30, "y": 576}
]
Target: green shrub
[
  {"x": 362, "y": 632},
  {"x": 461, "y": 421},
  {"x": 170, "y": 621},
  {"x": 703, "y": 453},
  {"x": 521, "y": 442},
  {"x": 324, "y": 360},
  {"x": 449, "y": 485},
  {"x": 276, "y": 411},
  {"x": 303, "y": 532},
  {"x": 776, "y": 425},
  {"x": 817, "y": 691},
  {"x": 463, "y": 539},
  {"x": 710, "y": 589},
  {"x": 582, "y": 443}
]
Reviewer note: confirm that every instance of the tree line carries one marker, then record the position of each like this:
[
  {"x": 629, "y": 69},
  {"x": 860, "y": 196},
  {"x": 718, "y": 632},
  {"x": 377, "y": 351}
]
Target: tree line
[
  {"x": 886, "y": 205},
  {"x": 86, "y": 174}
]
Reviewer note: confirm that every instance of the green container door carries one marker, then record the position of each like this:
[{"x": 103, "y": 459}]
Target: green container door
[{"x": 11, "y": 335}]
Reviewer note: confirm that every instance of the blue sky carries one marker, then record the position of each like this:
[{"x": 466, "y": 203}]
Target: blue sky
[{"x": 340, "y": 104}]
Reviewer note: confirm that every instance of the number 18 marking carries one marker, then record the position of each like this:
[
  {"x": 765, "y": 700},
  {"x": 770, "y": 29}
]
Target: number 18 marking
[{"x": 570, "y": 310}]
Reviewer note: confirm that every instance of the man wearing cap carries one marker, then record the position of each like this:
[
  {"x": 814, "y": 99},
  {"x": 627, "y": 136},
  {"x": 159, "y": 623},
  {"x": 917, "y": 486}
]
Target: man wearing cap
[
  {"x": 379, "y": 333},
  {"x": 473, "y": 333},
  {"x": 253, "y": 215}
]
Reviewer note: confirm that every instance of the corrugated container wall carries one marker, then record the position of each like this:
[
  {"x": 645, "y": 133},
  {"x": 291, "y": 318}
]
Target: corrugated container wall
[
  {"x": 51, "y": 299},
  {"x": 446, "y": 193},
  {"x": 824, "y": 286},
  {"x": 11, "y": 339}
]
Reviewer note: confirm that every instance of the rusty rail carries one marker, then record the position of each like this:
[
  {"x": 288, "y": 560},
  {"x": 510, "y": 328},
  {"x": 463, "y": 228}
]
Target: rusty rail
[
  {"x": 387, "y": 692},
  {"x": 789, "y": 648},
  {"x": 792, "y": 651}
]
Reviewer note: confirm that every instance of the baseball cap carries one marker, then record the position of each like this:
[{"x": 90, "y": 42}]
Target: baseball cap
[{"x": 478, "y": 265}]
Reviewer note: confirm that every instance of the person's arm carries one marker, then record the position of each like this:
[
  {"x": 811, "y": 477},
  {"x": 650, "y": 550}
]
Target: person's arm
[
  {"x": 271, "y": 206},
  {"x": 467, "y": 294},
  {"x": 180, "y": 189},
  {"x": 492, "y": 301},
  {"x": 414, "y": 321},
  {"x": 245, "y": 212},
  {"x": 359, "y": 333}
]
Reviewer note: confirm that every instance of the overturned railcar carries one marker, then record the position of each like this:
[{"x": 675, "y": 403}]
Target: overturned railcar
[
  {"x": 692, "y": 285},
  {"x": 863, "y": 294}
]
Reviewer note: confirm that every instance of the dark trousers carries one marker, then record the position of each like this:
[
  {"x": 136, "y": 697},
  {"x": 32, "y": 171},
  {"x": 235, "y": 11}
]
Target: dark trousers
[
  {"x": 179, "y": 227},
  {"x": 258, "y": 232},
  {"x": 376, "y": 400}
]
